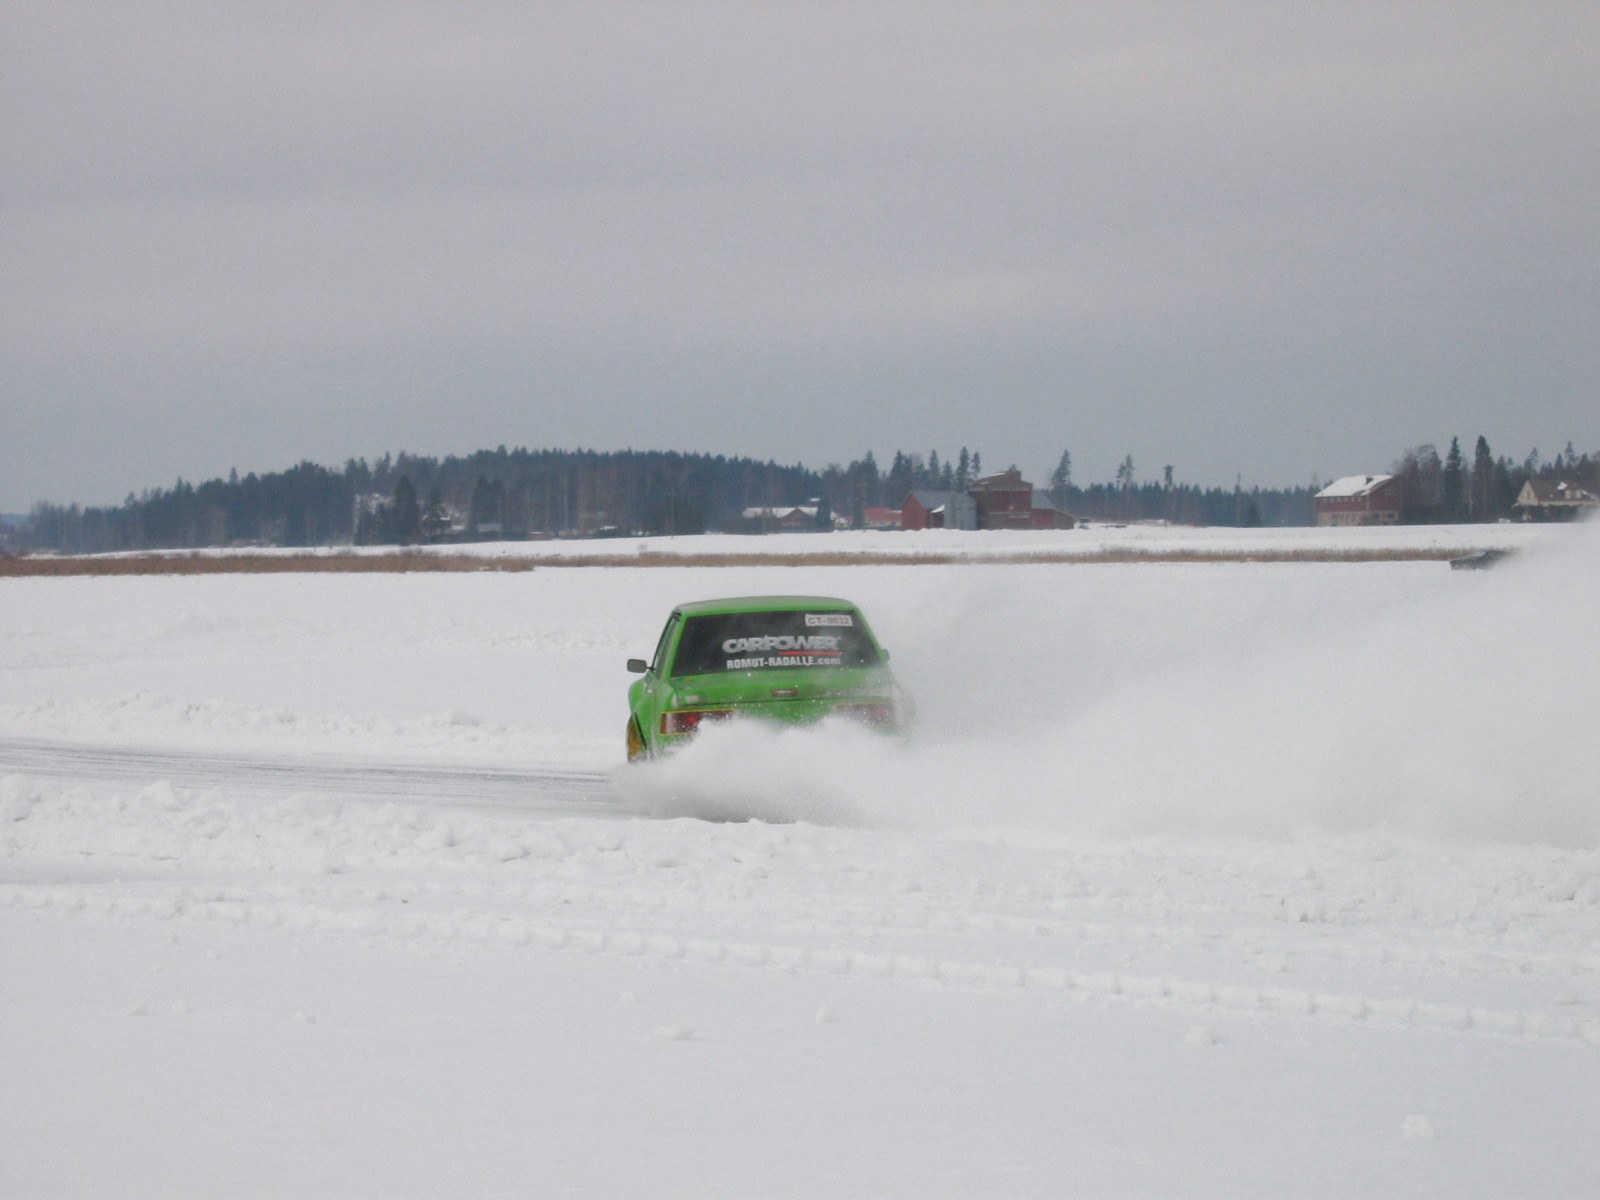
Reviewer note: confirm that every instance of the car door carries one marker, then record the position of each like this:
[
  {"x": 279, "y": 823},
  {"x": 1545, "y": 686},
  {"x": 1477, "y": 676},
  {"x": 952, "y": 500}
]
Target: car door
[{"x": 653, "y": 687}]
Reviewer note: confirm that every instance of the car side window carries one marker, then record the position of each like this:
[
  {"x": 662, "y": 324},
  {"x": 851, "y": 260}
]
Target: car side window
[{"x": 659, "y": 661}]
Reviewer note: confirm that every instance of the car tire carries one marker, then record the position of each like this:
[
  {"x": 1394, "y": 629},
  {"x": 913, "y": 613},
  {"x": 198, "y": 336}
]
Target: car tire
[{"x": 636, "y": 746}]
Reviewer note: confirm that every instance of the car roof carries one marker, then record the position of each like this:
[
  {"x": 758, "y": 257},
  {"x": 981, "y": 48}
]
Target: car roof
[{"x": 735, "y": 604}]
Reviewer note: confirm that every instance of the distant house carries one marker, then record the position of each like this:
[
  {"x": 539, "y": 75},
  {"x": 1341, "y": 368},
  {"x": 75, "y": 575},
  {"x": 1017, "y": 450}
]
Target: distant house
[
  {"x": 920, "y": 507},
  {"x": 873, "y": 517},
  {"x": 1360, "y": 500},
  {"x": 437, "y": 526},
  {"x": 1004, "y": 500},
  {"x": 1554, "y": 500},
  {"x": 799, "y": 518}
]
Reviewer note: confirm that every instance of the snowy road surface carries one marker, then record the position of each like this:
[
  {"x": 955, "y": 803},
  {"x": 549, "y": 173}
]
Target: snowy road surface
[
  {"x": 1220, "y": 881},
  {"x": 526, "y": 791}
]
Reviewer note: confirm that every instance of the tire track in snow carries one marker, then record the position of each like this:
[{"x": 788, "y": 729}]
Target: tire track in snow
[
  {"x": 488, "y": 929},
  {"x": 488, "y": 789}
]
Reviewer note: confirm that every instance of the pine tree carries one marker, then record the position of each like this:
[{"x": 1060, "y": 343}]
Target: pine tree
[
  {"x": 1452, "y": 478},
  {"x": 1482, "y": 484},
  {"x": 861, "y": 488},
  {"x": 919, "y": 470},
  {"x": 1061, "y": 480},
  {"x": 1503, "y": 493},
  {"x": 407, "y": 513},
  {"x": 900, "y": 481},
  {"x": 481, "y": 511},
  {"x": 1421, "y": 485},
  {"x": 435, "y": 518},
  {"x": 977, "y": 465},
  {"x": 871, "y": 481},
  {"x": 963, "y": 470}
]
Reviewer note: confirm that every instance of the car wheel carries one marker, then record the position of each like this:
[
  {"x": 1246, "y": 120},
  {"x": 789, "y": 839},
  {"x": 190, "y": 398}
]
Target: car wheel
[{"x": 636, "y": 746}]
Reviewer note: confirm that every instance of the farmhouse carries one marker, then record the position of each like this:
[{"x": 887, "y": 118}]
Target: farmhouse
[
  {"x": 1360, "y": 500},
  {"x": 799, "y": 518},
  {"x": 1554, "y": 500}
]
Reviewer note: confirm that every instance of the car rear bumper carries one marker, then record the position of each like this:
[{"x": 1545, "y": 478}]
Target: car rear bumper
[{"x": 885, "y": 717}]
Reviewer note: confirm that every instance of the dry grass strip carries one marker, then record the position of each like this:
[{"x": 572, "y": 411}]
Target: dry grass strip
[{"x": 402, "y": 562}]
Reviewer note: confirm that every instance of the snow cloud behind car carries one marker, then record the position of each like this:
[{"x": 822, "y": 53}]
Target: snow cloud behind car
[{"x": 1408, "y": 701}]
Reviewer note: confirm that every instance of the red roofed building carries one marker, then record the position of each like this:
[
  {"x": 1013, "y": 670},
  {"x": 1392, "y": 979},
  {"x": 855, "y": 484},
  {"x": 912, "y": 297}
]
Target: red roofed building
[
  {"x": 1047, "y": 516},
  {"x": 1004, "y": 500},
  {"x": 1360, "y": 500},
  {"x": 919, "y": 509}
]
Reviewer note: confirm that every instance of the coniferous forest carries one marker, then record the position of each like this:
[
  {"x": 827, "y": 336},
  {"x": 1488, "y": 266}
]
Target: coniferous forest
[{"x": 521, "y": 493}]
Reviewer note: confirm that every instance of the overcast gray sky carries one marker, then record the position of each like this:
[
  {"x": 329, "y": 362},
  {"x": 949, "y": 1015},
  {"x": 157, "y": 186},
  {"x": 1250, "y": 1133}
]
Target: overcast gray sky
[{"x": 1270, "y": 239}]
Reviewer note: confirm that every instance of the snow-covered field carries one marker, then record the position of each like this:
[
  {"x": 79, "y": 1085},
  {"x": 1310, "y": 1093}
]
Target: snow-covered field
[
  {"x": 1218, "y": 880},
  {"x": 1088, "y": 541}
]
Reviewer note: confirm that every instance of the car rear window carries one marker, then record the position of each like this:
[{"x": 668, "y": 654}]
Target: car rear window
[{"x": 764, "y": 640}]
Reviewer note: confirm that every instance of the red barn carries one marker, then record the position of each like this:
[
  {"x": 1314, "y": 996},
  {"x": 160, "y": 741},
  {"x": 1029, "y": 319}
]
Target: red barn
[
  {"x": 1046, "y": 516},
  {"x": 1360, "y": 500},
  {"x": 1005, "y": 501},
  {"x": 924, "y": 510}
]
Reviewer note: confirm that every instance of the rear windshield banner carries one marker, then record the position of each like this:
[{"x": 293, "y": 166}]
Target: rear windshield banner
[
  {"x": 782, "y": 650},
  {"x": 771, "y": 640}
]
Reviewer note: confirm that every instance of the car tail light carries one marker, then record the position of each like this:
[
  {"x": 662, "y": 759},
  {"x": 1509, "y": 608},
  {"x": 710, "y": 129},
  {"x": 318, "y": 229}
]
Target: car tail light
[
  {"x": 688, "y": 722},
  {"x": 880, "y": 713}
]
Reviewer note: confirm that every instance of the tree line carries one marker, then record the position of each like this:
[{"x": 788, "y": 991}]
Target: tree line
[
  {"x": 1451, "y": 490},
  {"x": 522, "y": 493},
  {"x": 409, "y": 498},
  {"x": 1128, "y": 498}
]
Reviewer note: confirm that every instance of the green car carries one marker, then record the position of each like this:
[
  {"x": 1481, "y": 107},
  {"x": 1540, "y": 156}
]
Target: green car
[{"x": 790, "y": 659}]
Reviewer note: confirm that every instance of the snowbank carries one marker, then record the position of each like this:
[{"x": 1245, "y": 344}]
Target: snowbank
[{"x": 1090, "y": 541}]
